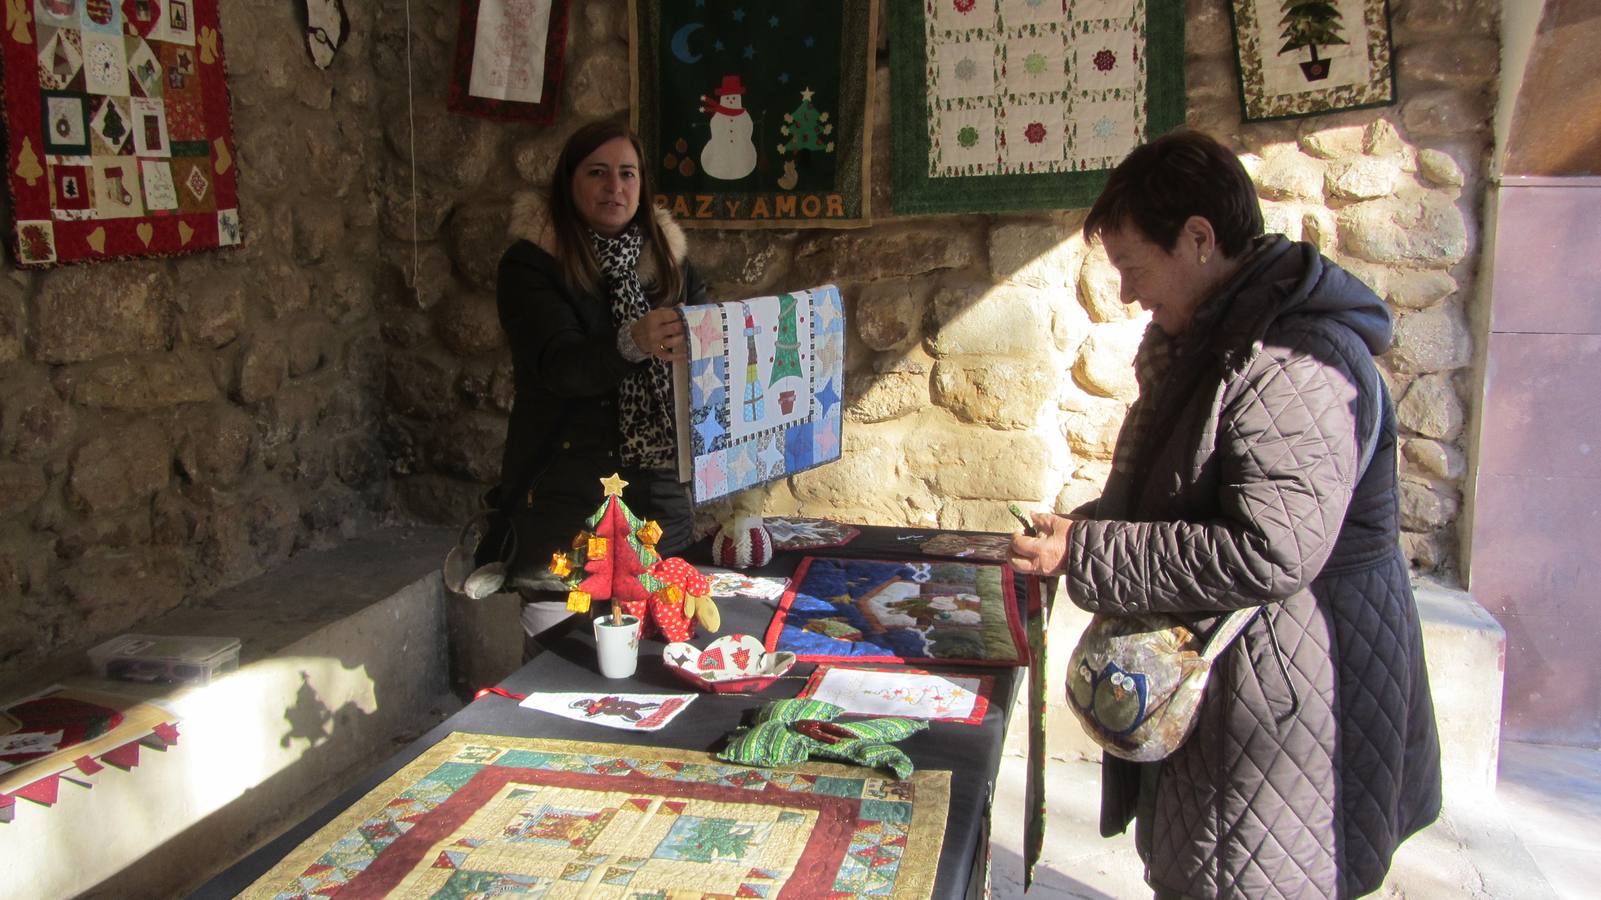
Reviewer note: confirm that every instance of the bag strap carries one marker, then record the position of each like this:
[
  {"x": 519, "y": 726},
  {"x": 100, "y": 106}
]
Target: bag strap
[{"x": 1235, "y": 622}]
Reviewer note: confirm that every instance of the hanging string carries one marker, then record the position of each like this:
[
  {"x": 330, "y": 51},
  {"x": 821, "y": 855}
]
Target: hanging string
[{"x": 411, "y": 139}]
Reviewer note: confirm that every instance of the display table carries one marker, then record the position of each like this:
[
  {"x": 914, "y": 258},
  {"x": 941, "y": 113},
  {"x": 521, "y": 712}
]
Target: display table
[{"x": 972, "y": 753}]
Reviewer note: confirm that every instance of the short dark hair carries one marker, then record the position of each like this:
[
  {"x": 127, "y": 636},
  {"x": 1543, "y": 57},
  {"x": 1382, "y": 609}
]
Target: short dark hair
[
  {"x": 573, "y": 249},
  {"x": 1158, "y": 186}
]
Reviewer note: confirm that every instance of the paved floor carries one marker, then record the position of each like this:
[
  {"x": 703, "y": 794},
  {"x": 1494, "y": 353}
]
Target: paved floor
[{"x": 1538, "y": 837}]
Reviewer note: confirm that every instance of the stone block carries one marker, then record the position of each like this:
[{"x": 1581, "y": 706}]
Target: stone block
[
  {"x": 1100, "y": 289},
  {"x": 1363, "y": 178},
  {"x": 1445, "y": 113},
  {"x": 879, "y": 398},
  {"x": 359, "y": 461},
  {"x": 869, "y": 477},
  {"x": 439, "y": 499},
  {"x": 143, "y": 383},
  {"x": 1283, "y": 218},
  {"x": 535, "y": 158},
  {"x": 34, "y": 422},
  {"x": 1091, "y": 424},
  {"x": 311, "y": 343},
  {"x": 21, "y": 486},
  {"x": 405, "y": 218},
  {"x": 1426, "y": 229},
  {"x": 418, "y": 275},
  {"x": 119, "y": 466},
  {"x": 468, "y": 324},
  {"x": 1333, "y": 142},
  {"x": 889, "y": 314},
  {"x": 477, "y": 240},
  {"x": 1105, "y": 365},
  {"x": 598, "y": 86},
  {"x": 261, "y": 368},
  {"x": 1425, "y": 505},
  {"x": 1440, "y": 168},
  {"x": 1435, "y": 458},
  {"x": 13, "y": 321},
  {"x": 1042, "y": 255},
  {"x": 458, "y": 149},
  {"x": 1319, "y": 229},
  {"x": 283, "y": 290},
  {"x": 865, "y": 256},
  {"x": 129, "y": 529},
  {"x": 211, "y": 309},
  {"x": 1431, "y": 408},
  {"x": 1285, "y": 173},
  {"x": 1001, "y": 393},
  {"x": 1431, "y": 340},
  {"x": 130, "y": 312},
  {"x": 1004, "y": 320},
  {"x": 1465, "y": 61},
  {"x": 213, "y": 443},
  {"x": 348, "y": 292},
  {"x": 470, "y": 447},
  {"x": 422, "y": 384},
  {"x": 975, "y": 463},
  {"x": 1419, "y": 289},
  {"x": 319, "y": 231},
  {"x": 113, "y": 590}
]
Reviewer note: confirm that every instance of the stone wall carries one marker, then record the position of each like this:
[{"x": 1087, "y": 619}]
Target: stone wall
[
  {"x": 989, "y": 359},
  {"x": 170, "y": 427}
]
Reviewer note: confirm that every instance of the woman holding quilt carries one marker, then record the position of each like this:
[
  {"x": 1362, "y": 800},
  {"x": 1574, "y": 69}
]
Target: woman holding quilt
[
  {"x": 586, "y": 297},
  {"x": 1238, "y": 480}
]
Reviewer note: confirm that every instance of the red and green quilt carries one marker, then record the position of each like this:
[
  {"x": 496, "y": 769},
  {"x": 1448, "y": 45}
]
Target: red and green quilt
[
  {"x": 119, "y": 139},
  {"x": 480, "y": 815}
]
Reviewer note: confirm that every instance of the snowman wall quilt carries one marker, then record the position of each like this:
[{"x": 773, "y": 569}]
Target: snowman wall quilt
[
  {"x": 759, "y": 398},
  {"x": 480, "y": 815},
  {"x": 867, "y": 610},
  {"x": 119, "y": 137},
  {"x": 1018, "y": 104},
  {"x": 758, "y": 114}
]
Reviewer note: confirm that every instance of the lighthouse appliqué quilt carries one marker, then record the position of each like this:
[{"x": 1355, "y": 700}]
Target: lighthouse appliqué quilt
[
  {"x": 760, "y": 396},
  {"x": 119, "y": 137}
]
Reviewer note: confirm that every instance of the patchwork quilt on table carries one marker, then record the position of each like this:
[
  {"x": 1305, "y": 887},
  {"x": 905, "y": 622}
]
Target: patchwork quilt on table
[
  {"x": 760, "y": 396},
  {"x": 481, "y": 815},
  {"x": 119, "y": 138},
  {"x": 868, "y": 610}
]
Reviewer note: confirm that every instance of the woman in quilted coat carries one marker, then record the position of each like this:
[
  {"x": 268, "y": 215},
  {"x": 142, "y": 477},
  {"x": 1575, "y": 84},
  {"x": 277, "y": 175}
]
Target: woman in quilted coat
[{"x": 1238, "y": 481}]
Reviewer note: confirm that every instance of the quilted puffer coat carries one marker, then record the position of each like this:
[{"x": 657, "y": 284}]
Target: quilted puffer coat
[{"x": 1315, "y": 753}]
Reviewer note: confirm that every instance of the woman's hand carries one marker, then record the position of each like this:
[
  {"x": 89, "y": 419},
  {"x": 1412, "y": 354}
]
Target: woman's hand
[
  {"x": 660, "y": 333},
  {"x": 1045, "y": 553}
]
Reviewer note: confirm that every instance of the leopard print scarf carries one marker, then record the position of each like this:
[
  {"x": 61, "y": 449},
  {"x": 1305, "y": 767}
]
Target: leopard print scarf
[{"x": 645, "y": 396}]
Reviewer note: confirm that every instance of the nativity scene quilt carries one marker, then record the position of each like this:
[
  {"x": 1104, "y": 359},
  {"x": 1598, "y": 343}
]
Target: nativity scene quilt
[
  {"x": 481, "y": 815},
  {"x": 760, "y": 396},
  {"x": 888, "y": 611},
  {"x": 118, "y": 129}
]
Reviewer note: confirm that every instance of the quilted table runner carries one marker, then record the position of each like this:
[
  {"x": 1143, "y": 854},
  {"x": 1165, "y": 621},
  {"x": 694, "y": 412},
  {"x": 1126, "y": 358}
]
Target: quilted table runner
[
  {"x": 1019, "y": 104},
  {"x": 868, "y": 610},
  {"x": 480, "y": 815},
  {"x": 756, "y": 115},
  {"x": 759, "y": 398},
  {"x": 119, "y": 141}
]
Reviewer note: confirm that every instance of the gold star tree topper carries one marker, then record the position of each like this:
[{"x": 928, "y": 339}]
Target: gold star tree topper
[{"x": 613, "y": 485}]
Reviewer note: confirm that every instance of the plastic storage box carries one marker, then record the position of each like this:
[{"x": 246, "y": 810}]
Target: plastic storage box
[{"x": 166, "y": 659}]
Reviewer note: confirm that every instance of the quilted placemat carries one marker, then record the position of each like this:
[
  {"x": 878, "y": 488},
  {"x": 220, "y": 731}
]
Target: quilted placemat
[
  {"x": 869, "y": 610},
  {"x": 968, "y": 546},
  {"x": 510, "y": 58},
  {"x": 759, "y": 398},
  {"x": 481, "y": 815},
  {"x": 1018, "y": 104},
  {"x": 756, "y": 115},
  {"x": 899, "y": 691},
  {"x": 118, "y": 132},
  {"x": 1308, "y": 57}
]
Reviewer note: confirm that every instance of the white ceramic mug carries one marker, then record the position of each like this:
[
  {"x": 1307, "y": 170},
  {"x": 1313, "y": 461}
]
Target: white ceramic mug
[{"x": 617, "y": 646}]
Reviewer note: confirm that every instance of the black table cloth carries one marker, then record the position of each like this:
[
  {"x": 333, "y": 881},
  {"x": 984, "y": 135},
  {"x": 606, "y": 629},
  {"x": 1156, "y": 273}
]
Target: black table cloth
[{"x": 971, "y": 753}]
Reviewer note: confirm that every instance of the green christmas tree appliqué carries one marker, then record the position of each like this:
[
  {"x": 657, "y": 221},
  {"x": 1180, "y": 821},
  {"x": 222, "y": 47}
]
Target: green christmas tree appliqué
[{"x": 1310, "y": 24}]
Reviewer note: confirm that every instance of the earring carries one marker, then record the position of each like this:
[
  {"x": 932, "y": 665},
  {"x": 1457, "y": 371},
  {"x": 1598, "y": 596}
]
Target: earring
[{"x": 1203, "y": 259}]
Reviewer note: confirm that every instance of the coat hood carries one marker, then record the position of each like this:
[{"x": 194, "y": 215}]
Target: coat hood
[
  {"x": 1282, "y": 278},
  {"x": 530, "y": 221}
]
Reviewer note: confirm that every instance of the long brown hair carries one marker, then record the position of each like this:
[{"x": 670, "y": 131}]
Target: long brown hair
[{"x": 573, "y": 249}]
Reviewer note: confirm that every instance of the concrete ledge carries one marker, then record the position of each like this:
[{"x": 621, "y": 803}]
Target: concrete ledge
[{"x": 343, "y": 660}]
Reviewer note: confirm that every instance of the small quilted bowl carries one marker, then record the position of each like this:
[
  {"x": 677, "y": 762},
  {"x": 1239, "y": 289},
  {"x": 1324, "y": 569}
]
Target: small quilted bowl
[{"x": 733, "y": 662}]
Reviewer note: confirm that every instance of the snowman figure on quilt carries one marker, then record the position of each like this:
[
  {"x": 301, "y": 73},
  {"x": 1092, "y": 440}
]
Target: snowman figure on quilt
[{"x": 730, "y": 154}]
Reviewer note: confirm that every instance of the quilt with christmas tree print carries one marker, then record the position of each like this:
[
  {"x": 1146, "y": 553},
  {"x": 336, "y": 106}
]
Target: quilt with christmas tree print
[
  {"x": 759, "y": 398},
  {"x": 756, "y": 115},
  {"x": 119, "y": 139},
  {"x": 479, "y": 815}
]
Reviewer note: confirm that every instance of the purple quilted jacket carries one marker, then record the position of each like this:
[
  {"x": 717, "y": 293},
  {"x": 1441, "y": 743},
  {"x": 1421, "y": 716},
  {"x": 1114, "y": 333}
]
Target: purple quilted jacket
[{"x": 1316, "y": 751}]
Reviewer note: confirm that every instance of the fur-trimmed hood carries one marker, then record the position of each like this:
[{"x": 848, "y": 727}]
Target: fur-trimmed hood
[{"x": 530, "y": 221}]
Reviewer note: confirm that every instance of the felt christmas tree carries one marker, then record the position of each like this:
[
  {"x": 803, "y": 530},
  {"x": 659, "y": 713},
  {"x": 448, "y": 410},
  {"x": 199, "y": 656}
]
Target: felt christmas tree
[
  {"x": 806, "y": 128},
  {"x": 608, "y": 557}
]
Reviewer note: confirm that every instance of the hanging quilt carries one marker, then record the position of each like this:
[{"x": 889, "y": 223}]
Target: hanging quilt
[
  {"x": 119, "y": 139},
  {"x": 1308, "y": 57},
  {"x": 868, "y": 610},
  {"x": 509, "y": 59},
  {"x": 756, "y": 115},
  {"x": 759, "y": 398},
  {"x": 479, "y": 815},
  {"x": 1018, "y": 104}
]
